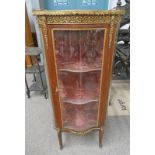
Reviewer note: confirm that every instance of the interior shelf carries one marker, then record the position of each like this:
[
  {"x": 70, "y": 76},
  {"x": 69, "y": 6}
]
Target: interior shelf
[
  {"x": 79, "y": 67},
  {"x": 80, "y": 70},
  {"x": 79, "y": 101},
  {"x": 78, "y": 96}
]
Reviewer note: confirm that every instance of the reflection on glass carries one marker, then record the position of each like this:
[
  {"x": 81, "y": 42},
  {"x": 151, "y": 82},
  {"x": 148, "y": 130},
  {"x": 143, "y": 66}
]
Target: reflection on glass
[
  {"x": 79, "y": 57},
  {"x": 79, "y": 117},
  {"x": 79, "y": 50},
  {"x": 79, "y": 88}
]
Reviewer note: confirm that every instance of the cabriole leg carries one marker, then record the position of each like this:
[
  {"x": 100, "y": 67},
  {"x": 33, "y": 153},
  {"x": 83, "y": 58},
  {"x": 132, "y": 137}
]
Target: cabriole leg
[
  {"x": 100, "y": 136},
  {"x": 60, "y": 138}
]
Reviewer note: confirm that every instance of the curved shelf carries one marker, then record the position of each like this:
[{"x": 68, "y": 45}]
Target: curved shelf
[
  {"x": 79, "y": 101},
  {"x": 79, "y": 66},
  {"x": 80, "y": 70}
]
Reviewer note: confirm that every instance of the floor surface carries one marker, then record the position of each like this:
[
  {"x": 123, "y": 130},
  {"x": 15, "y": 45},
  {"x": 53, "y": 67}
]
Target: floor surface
[{"x": 41, "y": 137}]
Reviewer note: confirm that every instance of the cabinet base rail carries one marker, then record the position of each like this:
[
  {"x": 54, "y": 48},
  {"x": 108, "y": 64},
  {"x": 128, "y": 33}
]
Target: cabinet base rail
[{"x": 81, "y": 133}]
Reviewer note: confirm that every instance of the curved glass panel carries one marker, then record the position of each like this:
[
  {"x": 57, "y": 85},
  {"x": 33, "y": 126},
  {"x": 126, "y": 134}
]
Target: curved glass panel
[{"x": 78, "y": 56}]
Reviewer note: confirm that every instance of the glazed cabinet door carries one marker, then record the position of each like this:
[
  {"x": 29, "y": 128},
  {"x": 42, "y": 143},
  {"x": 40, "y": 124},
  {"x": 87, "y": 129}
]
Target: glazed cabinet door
[{"x": 78, "y": 55}]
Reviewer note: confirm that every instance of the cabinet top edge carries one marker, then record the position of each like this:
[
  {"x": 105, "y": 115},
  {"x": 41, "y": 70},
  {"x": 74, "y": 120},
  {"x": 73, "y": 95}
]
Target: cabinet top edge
[{"x": 39, "y": 12}]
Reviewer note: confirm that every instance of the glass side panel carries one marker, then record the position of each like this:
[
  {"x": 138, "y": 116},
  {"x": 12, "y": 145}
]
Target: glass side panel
[{"x": 79, "y": 59}]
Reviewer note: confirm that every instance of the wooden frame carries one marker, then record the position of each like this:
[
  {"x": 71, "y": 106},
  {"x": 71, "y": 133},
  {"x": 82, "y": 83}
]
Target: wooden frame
[{"x": 108, "y": 20}]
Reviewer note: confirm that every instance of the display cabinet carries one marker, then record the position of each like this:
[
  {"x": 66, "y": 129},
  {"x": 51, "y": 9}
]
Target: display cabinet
[{"x": 79, "y": 48}]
